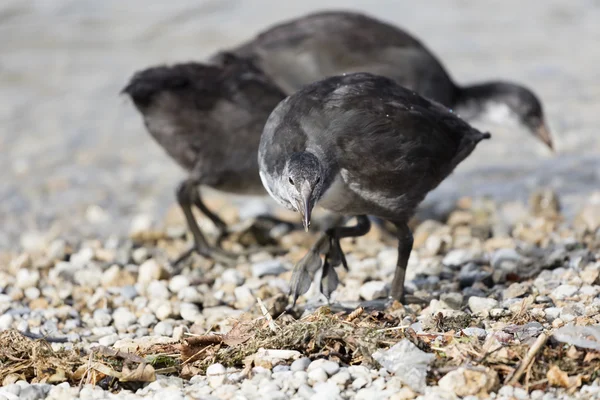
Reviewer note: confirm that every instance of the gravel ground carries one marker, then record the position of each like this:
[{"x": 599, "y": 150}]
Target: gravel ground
[
  {"x": 497, "y": 279},
  {"x": 88, "y": 224}
]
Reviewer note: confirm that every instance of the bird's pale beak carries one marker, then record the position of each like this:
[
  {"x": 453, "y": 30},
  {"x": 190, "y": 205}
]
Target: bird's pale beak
[
  {"x": 306, "y": 206},
  {"x": 543, "y": 134}
]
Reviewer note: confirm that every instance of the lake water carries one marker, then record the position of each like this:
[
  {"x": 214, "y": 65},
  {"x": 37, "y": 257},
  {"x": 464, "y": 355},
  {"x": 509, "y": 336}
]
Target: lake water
[{"x": 68, "y": 141}]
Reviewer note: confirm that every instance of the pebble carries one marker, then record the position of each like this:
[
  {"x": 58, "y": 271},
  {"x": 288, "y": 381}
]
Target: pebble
[
  {"x": 163, "y": 328},
  {"x": 477, "y": 332},
  {"x": 317, "y": 375},
  {"x": 373, "y": 290},
  {"x": 149, "y": 271},
  {"x": 233, "y": 276},
  {"x": 330, "y": 367},
  {"x": 190, "y": 312},
  {"x": 177, "y": 283},
  {"x": 564, "y": 291},
  {"x": 458, "y": 257},
  {"x": 300, "y": 364},
  {"x": 123, "y": 318},
  {"x": 481, "y": 305},
  {"x": 146, "y": 319},
  {"x": 216, "y": 374},
  {"x": 27, "y": 278},
  {"x": 102, "y": 317},
  {"x": 108, "y": 340},
  {"x": 268, "y": 267},
  {"x": 6, "y": 321}
]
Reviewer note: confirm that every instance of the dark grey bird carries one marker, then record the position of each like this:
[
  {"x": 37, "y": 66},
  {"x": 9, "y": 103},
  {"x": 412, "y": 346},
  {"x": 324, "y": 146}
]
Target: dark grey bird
[
  {"x": 358, "y": 145},
  {"x": 209, "y": 119},
  {"x": 303, "y": 50}
]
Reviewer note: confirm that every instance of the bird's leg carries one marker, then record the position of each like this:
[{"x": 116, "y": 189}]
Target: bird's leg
[
  {"x": 188, "y": 195},
  {"x": 335, "y": 254},
  {"x": 405, "y": 244}
]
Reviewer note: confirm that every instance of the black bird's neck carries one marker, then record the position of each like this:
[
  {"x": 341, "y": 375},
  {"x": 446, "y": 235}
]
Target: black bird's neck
[{"x": 473, "y": 101}]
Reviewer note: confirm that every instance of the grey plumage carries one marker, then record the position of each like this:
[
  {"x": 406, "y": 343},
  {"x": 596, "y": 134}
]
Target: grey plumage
[
  {"x": 209, "y": 119},
  {"x": 303, "y": 50},
  {"x": 359, "y": 145}
]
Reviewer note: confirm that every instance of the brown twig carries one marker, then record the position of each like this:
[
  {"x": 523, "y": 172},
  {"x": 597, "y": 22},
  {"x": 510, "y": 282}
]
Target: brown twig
[{"x": 531, "y": 354}]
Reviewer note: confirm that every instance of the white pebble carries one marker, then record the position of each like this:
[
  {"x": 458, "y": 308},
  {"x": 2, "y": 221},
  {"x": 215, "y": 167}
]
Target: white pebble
[
  {"x": 149, "y": 271},
  {"x": 317, "y": 375},
  {"x": 32, "y": 293},
  {"x": 123, "y": 318},
  {"x": 190, "y": 312},
  {"x": 373, "y": 290},
  {"x": 330, "y": 367},
  {"x": 6, "y": 321},
  {"x": 216, "y": 375},
  {"x": 27, "y": 278},
  {"x": 481, "y": 305},
  {"x": 146, "y": 319},
  {"x": 163, "y": 328},
  {"x": 164, "y": 311},
  {"x": 178, "y": 282},
  {"x": 232, "y": 276},
  {"x": 108, "y": 340},
  {"x": 102, "y": 317}
]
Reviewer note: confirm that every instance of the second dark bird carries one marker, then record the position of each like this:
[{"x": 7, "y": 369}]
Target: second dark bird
[{"x": 303, "y": 50}]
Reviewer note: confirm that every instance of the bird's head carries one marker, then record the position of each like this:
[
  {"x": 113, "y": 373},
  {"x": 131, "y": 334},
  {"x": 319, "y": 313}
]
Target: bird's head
[{"x": 303, "y": 182}]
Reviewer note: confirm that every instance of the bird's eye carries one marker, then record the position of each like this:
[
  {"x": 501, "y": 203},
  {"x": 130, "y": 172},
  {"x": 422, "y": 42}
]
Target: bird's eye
[
  {"x": 318, "y": 180},
  {"x": 291, "y": 181}
]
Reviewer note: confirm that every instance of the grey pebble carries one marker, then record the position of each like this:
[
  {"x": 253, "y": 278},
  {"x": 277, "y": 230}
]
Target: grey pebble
[
  {"x": 268, "y": 267},
  {"x": 300, "y": 364},
  {"x": 35, "y": 392},
  {"x": 163, "y": 328}
]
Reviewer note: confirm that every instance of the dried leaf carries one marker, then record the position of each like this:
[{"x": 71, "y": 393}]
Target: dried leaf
[
  {"x": 240, "y": 333},
  {"x": 143, "y": 373},
  {"x": 591, "y": 356},
  {"x": 557, "y": 377}
]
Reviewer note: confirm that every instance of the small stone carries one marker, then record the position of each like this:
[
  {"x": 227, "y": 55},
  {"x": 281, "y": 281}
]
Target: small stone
[
  {"x": 140, "y": 255},
  {"x": 149, "y": 271},
  {"x": 115, "y": 276},
  {"x": 164, "y": 311},
  {"x": 32, "y": 293},
  {"x": 458, "y": 257},
  {"x": 123, "y": 318},
  {"x": 472, "y": 273},
  {"x": 515, "y": 290},
  {"x": 22, "y": 261},
  {"x": 216, "y": 374},
  {"x": 452, "y": 299},
  {"x": 6, "y": 321},
  {"x": 34, "y": 392},
  {"x": 481, "y": 305},
  {"x": 506, "y": 260},
  {"x": 82, "y": 258},
  {"x": 163, "y": 328},
  {"x": 233, "y": 276},
  {"x": 158, "y": 290},
  {"x": 373, "y": 290},
  {"x": 300, "y": 364},
  {"x": 190, "y": 312},
  {"x": 178, "y": 282},
  {"x": 268, "y": 267},
  {"x": 102, "y": 317},
  {"x": 317, "y": 375},
  {"x": 330, "y": 367},
  {"x": 146, "y": 319},
  {"x": 244, "y": 297},
  {"x": 306, "y": 392},
  {"x": 359, "y": 383},
  {"x": 406, "y": 361},
  {"x": 108, "y": 340},
  {"x": 564, "y": 291},
  {"x": 477, "y": 332},
  {"x": 56, "y": 250},
  {"x": 326, "y": 391},
  {"x": 27, "y": 278},
  {"x": 341, "y": 378},
  {"x": 465, "y": 382}
]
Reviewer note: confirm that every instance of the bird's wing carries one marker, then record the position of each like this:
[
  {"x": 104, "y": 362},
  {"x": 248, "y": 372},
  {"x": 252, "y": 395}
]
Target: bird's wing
[{"x": 316, "y": 46}]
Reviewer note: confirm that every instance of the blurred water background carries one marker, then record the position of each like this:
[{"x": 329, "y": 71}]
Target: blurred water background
[{"x": 75, "y": 153}]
